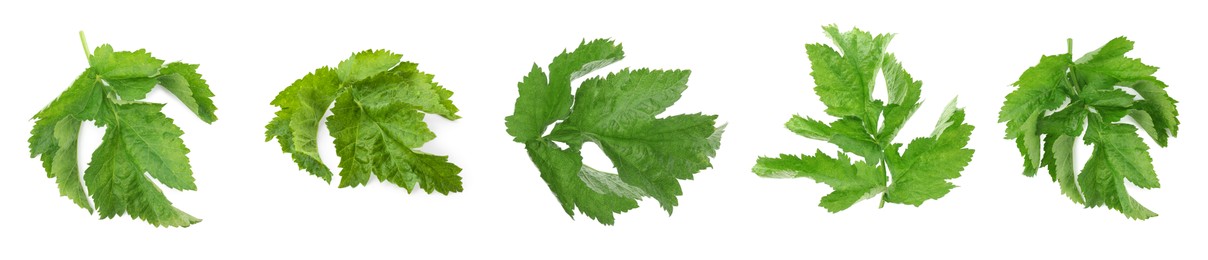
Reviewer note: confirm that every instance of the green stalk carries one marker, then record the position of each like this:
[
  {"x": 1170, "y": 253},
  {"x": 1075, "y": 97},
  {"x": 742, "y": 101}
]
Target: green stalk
[
  {"x": 1072, "y": 79},
  {"x": 83, "y": 41},
  {"x": 1069, "y": 46}
]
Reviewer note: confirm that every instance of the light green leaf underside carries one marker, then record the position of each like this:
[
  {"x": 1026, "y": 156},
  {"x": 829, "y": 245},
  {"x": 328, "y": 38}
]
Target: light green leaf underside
[
  {"x": 1059, "y": 157},
  {"x": 851, "y": 182},
  {"x": 66, "y": 170},
  {"x": 183, "y": 81},
  {"x": 847, "y": 133},
  {"x": 302, "y": 105},
  {"x": 904, "y": 94}
]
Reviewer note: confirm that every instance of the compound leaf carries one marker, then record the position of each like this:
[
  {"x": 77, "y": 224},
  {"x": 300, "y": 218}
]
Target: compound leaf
[
  {"x": 139, "y": 139},
  {"x": 1092, "y": 89},
  {"x": 619, "y": 113},
  {"x": 377, "y": 122},
  {"x": 845, "y": 83}
]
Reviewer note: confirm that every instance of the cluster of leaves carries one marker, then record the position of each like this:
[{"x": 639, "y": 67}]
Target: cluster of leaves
[
  {"x": 1060, "y": 97},
  {"x": 845, "y": 84},
  {"x": 619, "y": 113},
  {"x": 377, "y": 122},
  {"x": 138, "y": 137}
]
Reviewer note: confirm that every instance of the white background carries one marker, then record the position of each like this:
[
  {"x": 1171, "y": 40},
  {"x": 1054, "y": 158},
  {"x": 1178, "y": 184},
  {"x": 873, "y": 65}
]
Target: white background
[{"x": 749, "y": 66}]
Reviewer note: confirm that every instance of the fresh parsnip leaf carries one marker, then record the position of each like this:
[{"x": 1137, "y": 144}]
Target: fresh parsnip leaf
[
  {"x": 867, "y": 126},
  {"x": 1060, "y": 97},
  {"x": 138, "y": 139},
  {"x": 377, "y": 122},
  {"x": 620, "y": 113}
]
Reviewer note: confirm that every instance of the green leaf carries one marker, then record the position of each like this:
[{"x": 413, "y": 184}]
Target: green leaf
[
  {"x": 1028, "y": 142},
  {"x": 1102, "y": 185},
  {"x": 417, "y": 89},
  {"x": 155, "y": 145},
  {"x": 538, "y": 106},
  {"x": 1067, "y": 121},
  {"x": 133, "y": 88},
  {"x": 187, "y": 85},
  {"x": 1059, "y": 157},
  {"x": 845, "y": 84},
  {"x": 1125, "y": 151},
  {"x": 544, "y": 100},
  {"x": 904, "y": 94},
  {"x": 847, "y": 133},
  {"x": 1114, "y": 98},
  {"x": 851, "y": 182},
  {"x": 839, "y": 85},
  {"x": 365, "y": 64},
  {"x": 380, "y": 141},
  {"x": 1119, "y": 68},
  {"x": 614, "y": 103},
  {"x": 598, "y": 195},
  {"x": 377, "y": 122},
  {"x": 79, "y": 102},
  {"x": 82, "y": 99},
  {"x": 619, "y": 113},
  {"x": 118, "y": 185},
  {"x": 588, "y": 57},
  {"x": 1159, "y": 109},
  {"x": 67, "y": 171},
  {"x": 1039, "y": 88},
  {"x": 922, "y": 171},
  {"x": 1092, "y": 87},
  {"x": 1115, "y": 48},
  {"x": 296, "y": 126},
  {"x": 862, "y": 52},
  {"x": 139, "y": 139},
  {"x": 1119, "y": 154},
  {"x": 123, "y": 64}
]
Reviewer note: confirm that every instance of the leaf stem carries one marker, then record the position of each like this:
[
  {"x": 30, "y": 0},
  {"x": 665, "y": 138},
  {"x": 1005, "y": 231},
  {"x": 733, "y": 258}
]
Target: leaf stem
[
  {"x": 884, "y": 167},
  {"x": 1069, "y": 46},
  {"x": 1072, "y": 79},
  {"x": 83, "y": 41}
]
